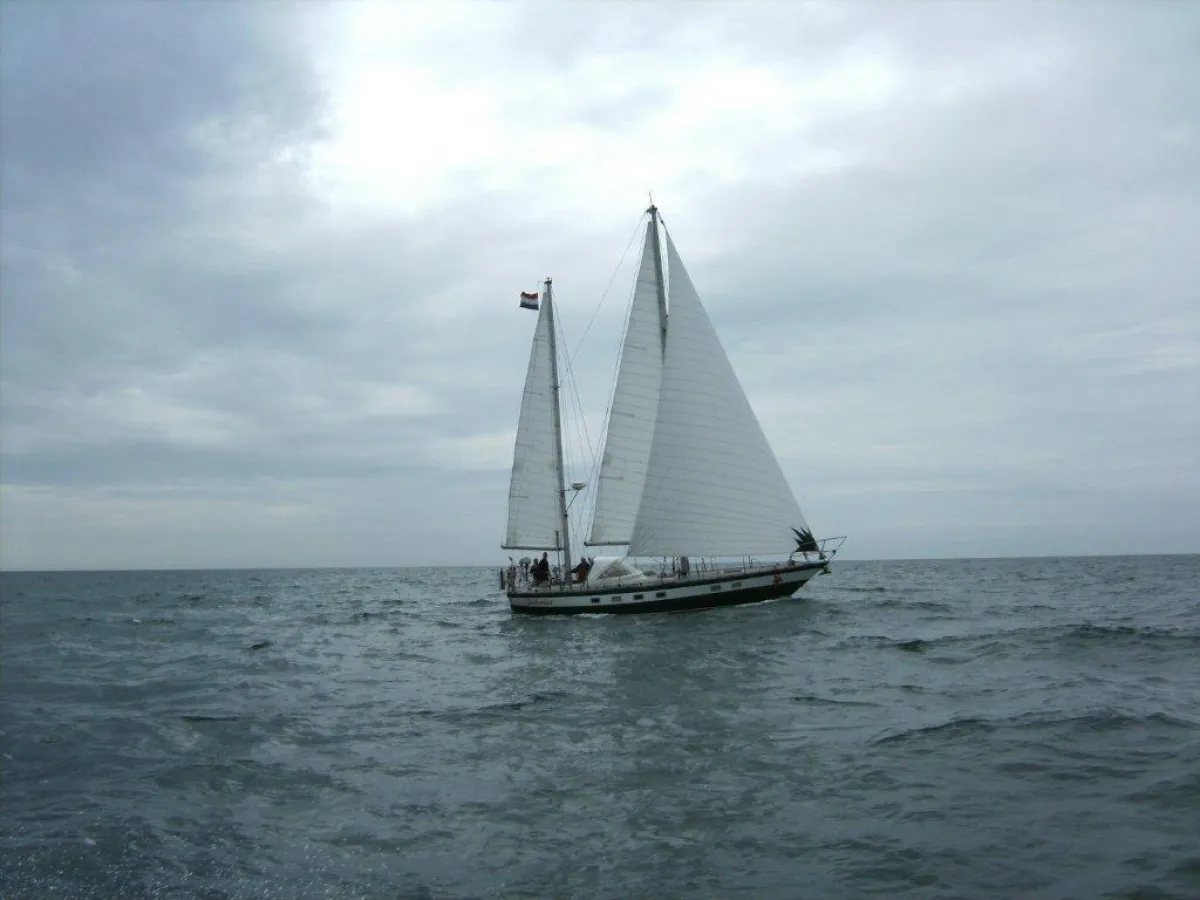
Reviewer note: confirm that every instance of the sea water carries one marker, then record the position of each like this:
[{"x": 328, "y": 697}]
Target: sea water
[{"x": 988, "y": 728}]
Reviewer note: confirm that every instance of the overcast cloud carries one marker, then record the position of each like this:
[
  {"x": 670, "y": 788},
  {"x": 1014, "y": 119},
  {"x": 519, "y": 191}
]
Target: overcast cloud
[{"x": 259, "y": 265}]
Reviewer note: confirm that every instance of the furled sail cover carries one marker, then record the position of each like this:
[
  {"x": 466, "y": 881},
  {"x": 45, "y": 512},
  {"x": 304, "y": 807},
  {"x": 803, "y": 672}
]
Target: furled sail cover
[
  {"x": 713, "y": 486},
  {"x": 533, "y": 517},
  {"x": 631, "y": 418}
]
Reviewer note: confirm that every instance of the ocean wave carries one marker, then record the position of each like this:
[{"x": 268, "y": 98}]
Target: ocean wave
[
  {"x": 1093, "y": 721},
  {"x": 1127, "y": 633},
  {"x": 906, "y": 604},
  {"x": 966, "y": 725},
  {"x": 1084, "y": 634},
  {"x": 815, "y": 700},
  {"x": 491, "y": 709}
]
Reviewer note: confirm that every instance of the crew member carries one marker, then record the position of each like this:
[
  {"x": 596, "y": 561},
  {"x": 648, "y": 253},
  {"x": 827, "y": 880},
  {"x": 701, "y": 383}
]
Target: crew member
[{"x": 541, "y": 570}]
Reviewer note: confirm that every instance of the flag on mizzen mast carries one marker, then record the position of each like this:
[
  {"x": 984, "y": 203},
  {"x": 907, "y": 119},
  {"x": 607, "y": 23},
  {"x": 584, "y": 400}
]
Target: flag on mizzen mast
[{"x": 528, "y": 300}]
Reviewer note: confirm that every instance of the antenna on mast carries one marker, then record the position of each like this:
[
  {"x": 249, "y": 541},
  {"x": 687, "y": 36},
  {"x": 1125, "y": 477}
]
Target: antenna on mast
[{"x": 659, "y": 281}]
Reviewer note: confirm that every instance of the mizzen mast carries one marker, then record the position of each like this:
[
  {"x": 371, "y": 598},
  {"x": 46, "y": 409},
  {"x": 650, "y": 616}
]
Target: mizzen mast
[{"x": 556, "y": 389}]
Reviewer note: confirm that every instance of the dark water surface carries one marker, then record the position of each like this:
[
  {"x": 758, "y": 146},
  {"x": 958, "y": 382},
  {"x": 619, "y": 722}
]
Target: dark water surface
[{"x": 1001, "y": 728}]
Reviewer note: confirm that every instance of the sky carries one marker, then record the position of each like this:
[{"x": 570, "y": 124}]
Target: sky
[{"x": 259, "y": 265}]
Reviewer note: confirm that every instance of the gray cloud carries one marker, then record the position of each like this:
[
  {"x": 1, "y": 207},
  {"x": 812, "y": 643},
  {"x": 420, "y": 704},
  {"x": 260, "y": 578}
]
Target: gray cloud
[
  {"x": 963, "y": 300},
  {"x": 116, "y": 91},
  {"x": 123, "y": 124}
]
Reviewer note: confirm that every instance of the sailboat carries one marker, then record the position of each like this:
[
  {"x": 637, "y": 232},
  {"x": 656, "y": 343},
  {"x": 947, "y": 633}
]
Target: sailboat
[{"x": 690, "y": 496}]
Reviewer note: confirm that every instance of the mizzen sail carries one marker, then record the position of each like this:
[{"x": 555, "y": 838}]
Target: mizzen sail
[{"x": 534, "y": 521}]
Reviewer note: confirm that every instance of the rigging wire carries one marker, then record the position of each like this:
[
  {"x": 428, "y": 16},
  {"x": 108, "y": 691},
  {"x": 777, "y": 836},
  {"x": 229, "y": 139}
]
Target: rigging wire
[
  {"x": 607, "y": 287},
  {"x": 587, "y": 507},
  {"x": 612, "y": 391},
  {"x": 574, "y": 420}
]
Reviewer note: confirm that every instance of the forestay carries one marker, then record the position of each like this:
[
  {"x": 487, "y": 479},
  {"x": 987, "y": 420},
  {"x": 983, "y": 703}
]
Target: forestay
[{"x": 634, "y": 405}]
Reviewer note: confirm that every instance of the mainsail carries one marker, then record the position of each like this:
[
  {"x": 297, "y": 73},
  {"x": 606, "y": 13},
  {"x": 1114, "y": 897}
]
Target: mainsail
[
  {"x": 634, "y": 406},
  {"x": 713, "y": 486},
  {"x": 534, "y": 493}
]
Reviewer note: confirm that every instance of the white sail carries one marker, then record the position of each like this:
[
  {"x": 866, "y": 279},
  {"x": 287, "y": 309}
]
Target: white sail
[
  {"x": 713, "y": 486},
  {"x": 533, "y": 494},
  {"x": 634, "y": 406}
]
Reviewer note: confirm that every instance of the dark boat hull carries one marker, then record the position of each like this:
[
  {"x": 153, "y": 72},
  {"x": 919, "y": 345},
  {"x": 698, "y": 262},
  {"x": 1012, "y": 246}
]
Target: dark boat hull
[{"x": 707, "y": 591}]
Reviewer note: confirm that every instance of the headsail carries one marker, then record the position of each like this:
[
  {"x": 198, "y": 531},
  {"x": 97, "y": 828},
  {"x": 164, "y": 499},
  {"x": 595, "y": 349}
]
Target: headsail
[
  {"x": 713, "y": 486},
  {"x": 634, "y": 406},
  {"x": 534, "y": 493}
]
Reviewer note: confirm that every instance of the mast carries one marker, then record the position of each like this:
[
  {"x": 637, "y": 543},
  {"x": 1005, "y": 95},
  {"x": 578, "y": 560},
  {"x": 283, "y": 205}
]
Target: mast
[
  {"x": 558, "y": 446},
  {"x": 660, "y": 284}
]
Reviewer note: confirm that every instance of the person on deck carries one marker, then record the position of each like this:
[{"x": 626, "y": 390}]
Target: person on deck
[
  {"x": 581, "y": 570},
  {"x": 541, "y": 570}
]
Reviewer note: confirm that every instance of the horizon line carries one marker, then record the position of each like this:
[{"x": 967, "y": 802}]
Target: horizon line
[{"x": 292, "y": 568}]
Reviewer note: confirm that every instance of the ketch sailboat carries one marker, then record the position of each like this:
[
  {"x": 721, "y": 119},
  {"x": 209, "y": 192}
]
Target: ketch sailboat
[{"x": 688, "y": 484}]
